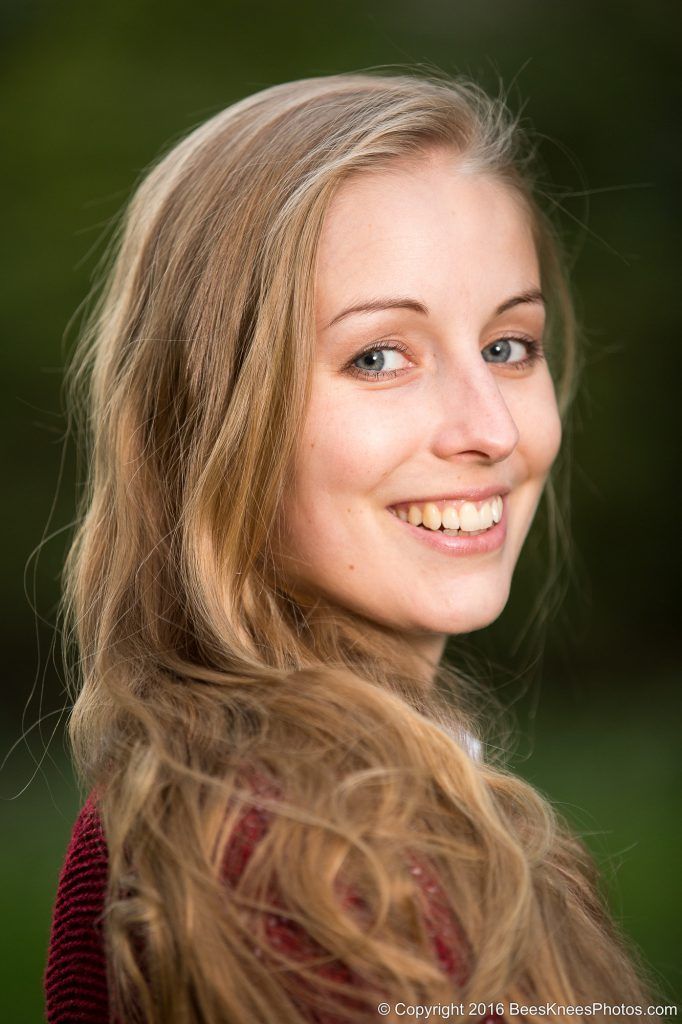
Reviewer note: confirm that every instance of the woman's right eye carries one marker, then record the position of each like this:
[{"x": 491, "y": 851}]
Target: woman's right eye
[{"x": 378, "y": 362}]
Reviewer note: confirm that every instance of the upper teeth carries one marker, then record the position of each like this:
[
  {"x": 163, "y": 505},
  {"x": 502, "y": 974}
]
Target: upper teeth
[{"x": 467, "y": 516}]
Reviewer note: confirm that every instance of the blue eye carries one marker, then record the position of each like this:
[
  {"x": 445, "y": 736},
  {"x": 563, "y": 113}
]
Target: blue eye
[
  {"x": 373, "y": 360},
  {"x": 517, "y": 352},
  {"x": 378, "y": 362},
  {"x": 382, "y": 361}
]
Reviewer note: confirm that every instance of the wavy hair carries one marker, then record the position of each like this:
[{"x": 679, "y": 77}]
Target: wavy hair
[{"x": 197, "y": 674}]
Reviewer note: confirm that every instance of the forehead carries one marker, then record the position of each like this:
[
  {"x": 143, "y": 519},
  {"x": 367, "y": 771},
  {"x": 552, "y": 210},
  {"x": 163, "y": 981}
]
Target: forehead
[{"x": 427, "y": 228}]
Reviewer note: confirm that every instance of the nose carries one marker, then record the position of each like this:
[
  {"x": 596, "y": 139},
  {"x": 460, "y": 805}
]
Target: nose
[{"x": 473, "y": 418}]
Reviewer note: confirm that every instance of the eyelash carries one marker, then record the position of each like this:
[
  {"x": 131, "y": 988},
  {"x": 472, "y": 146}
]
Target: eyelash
[
  {"x": 393, "y": 346},
  {"x": 534, "y": 349}
]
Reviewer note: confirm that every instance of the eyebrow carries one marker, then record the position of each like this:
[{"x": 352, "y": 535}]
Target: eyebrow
[{"x": 532, "y": 295}]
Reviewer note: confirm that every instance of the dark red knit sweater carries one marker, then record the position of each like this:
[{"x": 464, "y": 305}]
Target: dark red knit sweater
[{"x": 75, "y": 974}]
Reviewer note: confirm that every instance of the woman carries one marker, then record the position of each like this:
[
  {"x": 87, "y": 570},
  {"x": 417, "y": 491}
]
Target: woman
[{"x": 324, "y": 388}]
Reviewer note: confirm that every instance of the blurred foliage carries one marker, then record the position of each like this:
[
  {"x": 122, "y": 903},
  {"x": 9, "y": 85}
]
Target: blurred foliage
[{"x": 93, "y": 92}]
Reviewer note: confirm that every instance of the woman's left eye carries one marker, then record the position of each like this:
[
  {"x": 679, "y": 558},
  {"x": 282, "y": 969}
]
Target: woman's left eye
[
  {"x": 379, "y": 362},
  {"x": 515, "y": 351}
]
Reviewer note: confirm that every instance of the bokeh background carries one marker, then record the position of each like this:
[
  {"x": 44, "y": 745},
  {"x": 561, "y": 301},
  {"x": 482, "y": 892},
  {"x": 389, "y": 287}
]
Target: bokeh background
[{"x": 91, "y": 93}]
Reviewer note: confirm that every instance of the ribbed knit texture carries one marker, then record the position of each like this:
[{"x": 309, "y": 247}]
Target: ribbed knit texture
[{"x": 75, "y": 975}]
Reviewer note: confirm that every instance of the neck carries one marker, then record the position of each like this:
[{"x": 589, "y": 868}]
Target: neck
[{"x": 429, "y": 648}]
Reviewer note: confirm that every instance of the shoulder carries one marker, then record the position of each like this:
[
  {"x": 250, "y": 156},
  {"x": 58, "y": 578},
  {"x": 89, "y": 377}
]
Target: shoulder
[
  {"x": 75, "y": 973},
  {"x": 75, "y": 977}
]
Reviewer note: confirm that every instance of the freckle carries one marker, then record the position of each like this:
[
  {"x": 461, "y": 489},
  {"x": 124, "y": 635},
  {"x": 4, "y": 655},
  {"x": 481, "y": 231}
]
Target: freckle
[
  {"x": 351, "y": 567},
  {"x": 347, "y": 510}
]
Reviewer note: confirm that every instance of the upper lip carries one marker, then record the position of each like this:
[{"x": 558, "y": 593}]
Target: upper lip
[{"x": 465, "y": 494}]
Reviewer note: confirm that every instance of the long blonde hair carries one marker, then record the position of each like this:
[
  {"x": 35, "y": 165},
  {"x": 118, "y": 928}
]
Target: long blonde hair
[{"x": 198, "y": 672}]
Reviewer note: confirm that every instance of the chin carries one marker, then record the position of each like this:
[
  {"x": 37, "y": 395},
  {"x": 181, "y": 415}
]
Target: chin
[{"x": 466, "y": 616}]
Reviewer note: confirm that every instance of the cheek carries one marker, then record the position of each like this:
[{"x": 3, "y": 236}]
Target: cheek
[
  {"x": 539, "y": 426},
  {"x": 348, "y": 447}
]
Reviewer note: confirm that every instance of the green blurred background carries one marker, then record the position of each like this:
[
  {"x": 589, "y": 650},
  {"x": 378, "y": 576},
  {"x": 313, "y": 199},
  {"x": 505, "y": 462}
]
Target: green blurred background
[{"x": 92, "y": 92}]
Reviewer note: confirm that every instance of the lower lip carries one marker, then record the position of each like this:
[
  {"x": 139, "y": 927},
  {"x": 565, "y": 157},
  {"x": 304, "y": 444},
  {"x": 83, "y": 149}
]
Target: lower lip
[{"x": 462, "y": 545}]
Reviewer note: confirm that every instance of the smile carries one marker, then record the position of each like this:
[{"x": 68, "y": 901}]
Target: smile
[
  {"x": 427, "y": 523},
  {"x": 451, "y": 516}
]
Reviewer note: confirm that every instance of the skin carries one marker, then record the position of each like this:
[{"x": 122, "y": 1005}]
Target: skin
[{"x": 446, "y": 420}]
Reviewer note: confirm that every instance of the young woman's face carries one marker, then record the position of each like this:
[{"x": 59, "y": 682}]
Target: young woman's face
[{"x": 432, "y": 407}]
